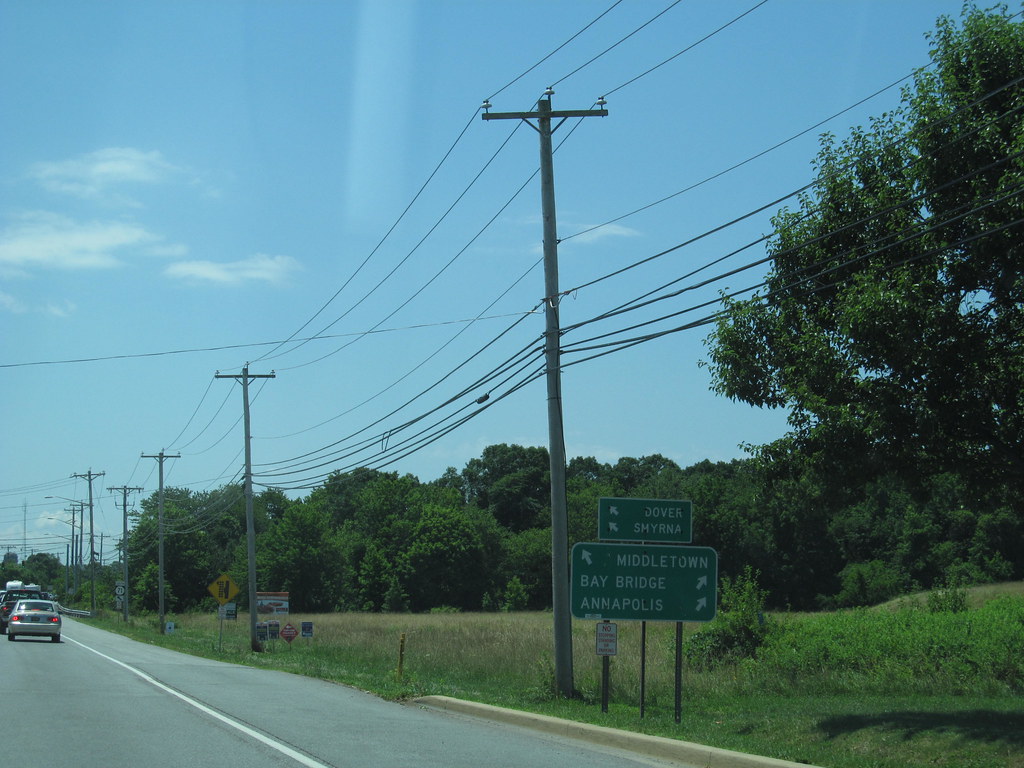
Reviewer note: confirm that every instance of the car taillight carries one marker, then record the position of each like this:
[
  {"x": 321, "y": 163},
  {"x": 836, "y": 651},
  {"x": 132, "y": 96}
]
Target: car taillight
[
  {"x": 15, "y": 617},
  {"x": 55, "y": 619}
]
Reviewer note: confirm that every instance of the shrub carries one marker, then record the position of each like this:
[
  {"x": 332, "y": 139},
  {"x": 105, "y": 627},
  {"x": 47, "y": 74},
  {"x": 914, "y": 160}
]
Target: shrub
[
  {"x": 738, "y": 630},
  {"x": 867, "y": 584},
  {"x": 516, "y": 596},
  {"x": 949, "y": 599}
]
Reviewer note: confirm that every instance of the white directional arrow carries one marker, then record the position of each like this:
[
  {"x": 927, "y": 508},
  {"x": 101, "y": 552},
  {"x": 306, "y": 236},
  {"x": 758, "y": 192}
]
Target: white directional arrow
[
  {"x": 613, "y": 510},
  {"x": 586, "y": 557},
  {"x": 702, "y": 604},
  {"x": 702, "y": 582},
  {"x": 613, "y": 527}
]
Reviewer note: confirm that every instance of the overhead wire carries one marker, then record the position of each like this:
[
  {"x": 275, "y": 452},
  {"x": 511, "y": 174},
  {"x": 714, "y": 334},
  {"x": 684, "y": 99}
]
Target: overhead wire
[
  {"x": 874, "y": 248},
  {"x": 810, "y": 185},
  {"x": 519, "y": 77},
  {"x": 490, "y": 221},
  {"x": 778, "y": 201},
  {"x": 414, "y": 249},
  {"x": 712, "y": 318},
  {"x": 290, "y": 338},
  {"x": 402, "y": 215},
  {"x": 319, "y": 454},
  {"x": 420, "y": 191},
  {"x": 674, "y": 56},
  {"x": 740, "y": 164},
  {"x": 731, "y": 272},
  {"x": 619, "y": 42},
  {"x": 915, "y": 200}
]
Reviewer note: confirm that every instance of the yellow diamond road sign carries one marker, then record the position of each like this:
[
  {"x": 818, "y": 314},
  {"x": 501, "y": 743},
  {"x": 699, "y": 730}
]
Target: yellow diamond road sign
[{"x": 223, "y": 589}]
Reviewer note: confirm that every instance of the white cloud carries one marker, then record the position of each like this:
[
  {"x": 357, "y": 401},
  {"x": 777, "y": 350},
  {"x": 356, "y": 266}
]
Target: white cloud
[
  {"x": 11, "y": 304},
  {"x": 62, "y": 309},
  {"x": 603, "y": 232},
  {"x": 271, "y": 269},
  {"x": 16, "y": 306},
  {"x": 50, "y": 241},
  {"x": 96, "y": 174}
]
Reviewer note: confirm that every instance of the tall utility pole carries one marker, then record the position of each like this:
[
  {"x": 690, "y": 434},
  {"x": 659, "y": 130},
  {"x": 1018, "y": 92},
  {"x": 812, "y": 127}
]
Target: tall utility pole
[
  {"x": 160, "y": 533},
  {"x": 76, "y": 508},
  {"x": 90, "y": 476},
  {"x": 552, "y": 353},
  {"x": 250, "y": 526},
  {"x": 125, "y": 490}
]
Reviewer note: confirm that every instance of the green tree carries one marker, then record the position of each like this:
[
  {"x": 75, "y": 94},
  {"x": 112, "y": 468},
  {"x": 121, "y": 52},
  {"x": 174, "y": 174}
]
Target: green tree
[
  {"x": 301, "y": 555},
  {"x": 892, "y": 324},
  {"x": 528, "y": 558},
  {"x": 512, "y": 482},
  {"x": 445, "y": 561},
  {"x": 45, "y": 570},
  {"x": 339, "y": 494}
]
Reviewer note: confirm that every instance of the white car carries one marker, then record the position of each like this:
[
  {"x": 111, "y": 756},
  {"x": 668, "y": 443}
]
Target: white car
[{"x": 34, "y": 617}]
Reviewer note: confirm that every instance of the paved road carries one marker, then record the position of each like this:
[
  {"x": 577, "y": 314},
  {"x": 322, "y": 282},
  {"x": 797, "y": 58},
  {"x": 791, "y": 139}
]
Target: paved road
[{"x": 99, "y": 700}]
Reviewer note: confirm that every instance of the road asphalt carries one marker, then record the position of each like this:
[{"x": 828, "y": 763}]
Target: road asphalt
[{"x": 684, "y": 752}]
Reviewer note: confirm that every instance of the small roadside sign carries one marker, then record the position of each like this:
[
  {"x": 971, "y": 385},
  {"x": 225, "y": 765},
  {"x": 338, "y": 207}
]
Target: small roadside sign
[
  {"x": 607, "y": 639},
  {"x": 223, "y": 589},
  {"x": 289, "y": 633},
  {"x": 262, "y": 632},
  {"x": 307, "y": 629}
]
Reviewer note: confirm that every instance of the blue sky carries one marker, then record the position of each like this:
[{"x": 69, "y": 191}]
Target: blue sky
[{"x": 307, "y": 187}]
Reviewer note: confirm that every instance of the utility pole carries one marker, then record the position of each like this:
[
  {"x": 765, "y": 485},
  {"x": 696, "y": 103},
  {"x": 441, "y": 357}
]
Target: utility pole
[
  {"x": 77, "y": 508},
  {"x": 125, "y": 490},
  {"x": 250, "y": 526},
  {"x": 160, "y": 533},
  {"x": 90, "y": 476},
  {"x": 552, "y": 353}
]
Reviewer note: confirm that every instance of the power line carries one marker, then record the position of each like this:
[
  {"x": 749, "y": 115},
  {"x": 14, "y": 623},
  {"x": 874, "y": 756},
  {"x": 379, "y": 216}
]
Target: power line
[{"x": 731, "y": 272}]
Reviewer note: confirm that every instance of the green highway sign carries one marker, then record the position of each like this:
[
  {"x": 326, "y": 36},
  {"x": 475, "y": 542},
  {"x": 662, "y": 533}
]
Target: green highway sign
[
  {"x": 658, "y": 520},
  {"x": 643, "y": 582}
]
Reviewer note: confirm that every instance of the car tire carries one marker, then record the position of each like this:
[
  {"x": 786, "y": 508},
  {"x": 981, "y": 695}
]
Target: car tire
[
  {"x": 10, "y": 636},
  {"x": 54, "y": 638}
]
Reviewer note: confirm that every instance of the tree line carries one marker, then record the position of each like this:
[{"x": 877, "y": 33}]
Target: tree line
[{"x": 480, "y": 538}]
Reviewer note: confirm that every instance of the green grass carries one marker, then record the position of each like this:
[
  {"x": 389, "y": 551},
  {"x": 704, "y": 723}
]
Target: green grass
[{"x": 885, "y": 688}]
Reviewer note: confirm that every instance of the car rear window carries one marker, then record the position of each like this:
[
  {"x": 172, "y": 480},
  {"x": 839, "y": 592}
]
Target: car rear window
[{"x": 27, "y": 605}]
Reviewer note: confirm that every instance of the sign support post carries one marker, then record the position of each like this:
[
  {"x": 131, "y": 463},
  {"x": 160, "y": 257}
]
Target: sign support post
[
  {"x": 223, "y": 589},
  {"x": 607, "y": 646}
]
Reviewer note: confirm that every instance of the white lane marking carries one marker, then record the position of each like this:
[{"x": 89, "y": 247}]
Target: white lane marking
[{"x": 272, "y": 743}]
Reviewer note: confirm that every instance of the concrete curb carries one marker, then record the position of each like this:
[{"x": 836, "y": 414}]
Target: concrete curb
[{"x": 652, "y": 746}]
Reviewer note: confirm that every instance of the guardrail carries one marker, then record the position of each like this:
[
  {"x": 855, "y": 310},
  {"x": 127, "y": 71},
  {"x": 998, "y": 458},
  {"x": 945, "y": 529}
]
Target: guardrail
[{"x": 74, "y": 612}]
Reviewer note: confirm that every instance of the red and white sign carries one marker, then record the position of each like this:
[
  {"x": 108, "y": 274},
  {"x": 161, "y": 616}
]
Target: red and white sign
[
  {"x": 288, "y": 632},
  {"x": 607, "y": 639}
]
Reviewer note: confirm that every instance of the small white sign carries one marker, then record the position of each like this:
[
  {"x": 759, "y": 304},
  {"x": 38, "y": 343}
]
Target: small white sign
[{"x": 607, "y": 639}]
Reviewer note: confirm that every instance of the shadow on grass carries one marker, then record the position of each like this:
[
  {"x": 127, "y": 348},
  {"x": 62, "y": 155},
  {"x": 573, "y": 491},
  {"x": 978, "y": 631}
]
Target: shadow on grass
[{"x": 980, "y": 724}]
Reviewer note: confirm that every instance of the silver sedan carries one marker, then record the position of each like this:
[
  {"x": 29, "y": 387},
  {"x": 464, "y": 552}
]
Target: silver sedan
[{"x": 34, "y": 617}]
